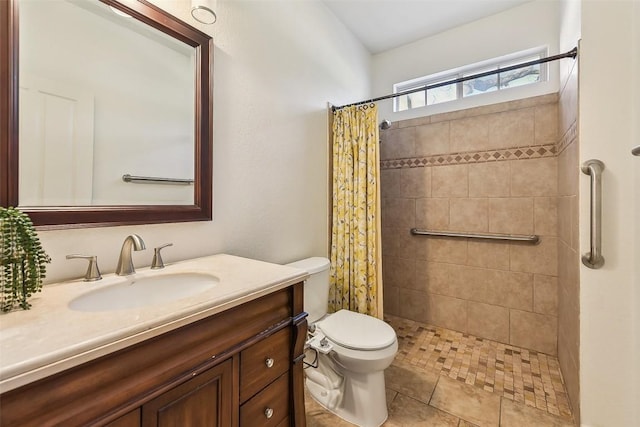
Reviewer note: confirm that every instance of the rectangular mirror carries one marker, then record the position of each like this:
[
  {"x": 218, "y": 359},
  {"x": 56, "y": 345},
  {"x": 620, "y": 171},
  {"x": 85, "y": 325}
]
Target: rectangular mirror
[
  {"x": 101, "y": 96},
  {"x": 113, "y": 118}
]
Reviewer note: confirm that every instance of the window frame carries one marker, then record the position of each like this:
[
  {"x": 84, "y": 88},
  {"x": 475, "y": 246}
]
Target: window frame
[{"x": 466, "y": 70}]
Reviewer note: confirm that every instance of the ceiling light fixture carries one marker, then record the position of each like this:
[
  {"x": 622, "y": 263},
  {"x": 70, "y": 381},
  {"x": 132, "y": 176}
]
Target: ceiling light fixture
[{"x": 203, "y": 11}]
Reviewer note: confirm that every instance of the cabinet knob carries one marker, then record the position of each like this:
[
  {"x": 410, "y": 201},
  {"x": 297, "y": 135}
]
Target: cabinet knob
[
  {"x": 268, "y": 412},
  {"x": 269, "y": 362}
]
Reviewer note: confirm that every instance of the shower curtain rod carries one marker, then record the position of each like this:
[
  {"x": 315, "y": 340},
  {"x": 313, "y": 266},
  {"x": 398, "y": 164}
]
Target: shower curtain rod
[{"x": 571, "y": 54}]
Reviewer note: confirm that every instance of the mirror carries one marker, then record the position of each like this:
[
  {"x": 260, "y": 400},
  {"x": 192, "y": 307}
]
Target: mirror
[{"x": 108, "y": 114}]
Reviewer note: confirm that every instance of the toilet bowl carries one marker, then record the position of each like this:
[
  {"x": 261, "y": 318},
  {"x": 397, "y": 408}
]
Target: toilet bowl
[{"x": 348, "y": 353}]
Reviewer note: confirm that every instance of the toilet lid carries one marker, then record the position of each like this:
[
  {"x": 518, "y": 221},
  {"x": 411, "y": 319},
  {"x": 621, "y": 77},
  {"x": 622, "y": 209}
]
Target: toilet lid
[{"x": 357, "y": 331}]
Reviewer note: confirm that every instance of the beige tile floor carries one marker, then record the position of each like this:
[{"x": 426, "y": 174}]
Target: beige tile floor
[{"x": 445, "y": 378}]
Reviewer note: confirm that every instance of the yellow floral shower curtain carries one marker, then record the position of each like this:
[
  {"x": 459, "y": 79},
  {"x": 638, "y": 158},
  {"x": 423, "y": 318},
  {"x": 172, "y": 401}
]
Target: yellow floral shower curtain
[{"x": 355, "y": 275}]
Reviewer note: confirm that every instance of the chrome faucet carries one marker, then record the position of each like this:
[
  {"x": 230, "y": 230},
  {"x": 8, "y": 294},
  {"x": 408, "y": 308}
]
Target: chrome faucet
[{"x": 125, "y": 262}]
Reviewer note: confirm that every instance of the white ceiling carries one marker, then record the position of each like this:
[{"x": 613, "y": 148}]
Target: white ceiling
[{"x": 384, "y": 24}]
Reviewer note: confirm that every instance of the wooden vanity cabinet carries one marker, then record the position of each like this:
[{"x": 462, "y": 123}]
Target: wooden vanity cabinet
[
  {"x": 241, "y": 367},
  {"x": 204, "y": 400}
]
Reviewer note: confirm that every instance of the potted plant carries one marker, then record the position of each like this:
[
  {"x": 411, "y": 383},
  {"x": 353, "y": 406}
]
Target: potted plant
[{"x": 22, "y": 260}]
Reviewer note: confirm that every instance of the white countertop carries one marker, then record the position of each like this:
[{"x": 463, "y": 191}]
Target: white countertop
[{"x": 51, "y": 337}]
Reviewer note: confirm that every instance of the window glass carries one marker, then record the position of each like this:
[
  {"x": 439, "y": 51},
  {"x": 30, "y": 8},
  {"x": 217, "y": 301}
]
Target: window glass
[
  {"x": 411, "y": 100},
  {"x": 401, "y": 103},
  {"x": 481, "y": 84},
  {"x": 520, "y": 76},
  {"x": 491, "y": 83},
  {"x": 416, "y": 100},
  {"x": 442, "y": 94}
]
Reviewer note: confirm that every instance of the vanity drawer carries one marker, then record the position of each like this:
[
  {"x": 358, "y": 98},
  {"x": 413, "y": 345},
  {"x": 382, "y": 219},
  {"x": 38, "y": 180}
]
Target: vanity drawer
[
  {"x": 263, "y": 362},
  {"x": 270, "y": 407}
]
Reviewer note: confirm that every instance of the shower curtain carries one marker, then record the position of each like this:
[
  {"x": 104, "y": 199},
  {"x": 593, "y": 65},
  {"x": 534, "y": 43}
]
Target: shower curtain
[{"x": 355, "y": 274}]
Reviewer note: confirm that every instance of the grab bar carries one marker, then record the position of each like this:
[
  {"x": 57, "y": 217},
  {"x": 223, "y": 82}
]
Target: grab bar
[
  {"x": 636, "y": 150},
  {"x": 594, "y": 258},
  {"x": 155, "y": 180},
  {"x": 534, "y": 239}
]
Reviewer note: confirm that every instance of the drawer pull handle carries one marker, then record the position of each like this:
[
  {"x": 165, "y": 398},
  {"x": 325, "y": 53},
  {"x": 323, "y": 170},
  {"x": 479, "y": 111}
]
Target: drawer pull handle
[
  {"x": 269, "y": 362},
  {"x": 268, "y": 412}
]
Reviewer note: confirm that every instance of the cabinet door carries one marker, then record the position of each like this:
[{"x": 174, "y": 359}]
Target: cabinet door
[
  {"x": 132, "y": 419},
  {"x": 204, "y": 401}
]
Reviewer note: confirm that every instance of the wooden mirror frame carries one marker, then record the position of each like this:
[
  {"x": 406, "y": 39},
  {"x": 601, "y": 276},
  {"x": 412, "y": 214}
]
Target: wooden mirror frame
[{"x": 53, "y": 217}]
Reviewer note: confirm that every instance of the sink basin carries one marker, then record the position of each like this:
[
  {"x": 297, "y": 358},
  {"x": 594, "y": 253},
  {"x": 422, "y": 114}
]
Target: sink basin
[{"x": 137, "y": 292}]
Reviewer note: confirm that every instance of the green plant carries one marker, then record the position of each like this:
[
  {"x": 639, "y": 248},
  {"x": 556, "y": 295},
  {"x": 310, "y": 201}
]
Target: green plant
[{"x": 22, "y": 260}]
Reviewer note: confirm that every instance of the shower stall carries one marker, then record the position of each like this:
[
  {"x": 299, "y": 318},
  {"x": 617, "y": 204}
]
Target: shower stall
[{"x": 480, "y": 236}]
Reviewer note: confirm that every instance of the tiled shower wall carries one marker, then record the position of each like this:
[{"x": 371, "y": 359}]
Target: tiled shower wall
[
  {"x": 491, "y": 169},
  {"x": 568, "y": 251}
]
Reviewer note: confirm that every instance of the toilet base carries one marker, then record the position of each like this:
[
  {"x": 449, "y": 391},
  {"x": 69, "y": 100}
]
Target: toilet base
[{"x": 364, "y": 402}]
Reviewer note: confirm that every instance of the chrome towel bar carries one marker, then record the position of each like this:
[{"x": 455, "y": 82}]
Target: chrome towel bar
[
  {"x": 155, "y": 180},
  {"x": 594, "y": 258},
  {"x": 534, "y": 239}
]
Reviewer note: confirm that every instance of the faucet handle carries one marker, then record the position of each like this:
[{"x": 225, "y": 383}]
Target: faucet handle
[
  {"x": 93, "y": 272},
  {"x": 157, "y": 262}
]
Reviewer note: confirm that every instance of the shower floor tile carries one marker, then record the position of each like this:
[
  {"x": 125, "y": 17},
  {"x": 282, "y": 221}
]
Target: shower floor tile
[
  {"x": 449, "y": 378},
  {"x": 522, "y": 375}
]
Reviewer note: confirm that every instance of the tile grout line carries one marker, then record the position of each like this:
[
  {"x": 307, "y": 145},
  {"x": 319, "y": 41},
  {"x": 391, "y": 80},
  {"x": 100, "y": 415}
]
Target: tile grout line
[
  {"x": 434, "y": 392},
  {"x": 494, "y": 364}
]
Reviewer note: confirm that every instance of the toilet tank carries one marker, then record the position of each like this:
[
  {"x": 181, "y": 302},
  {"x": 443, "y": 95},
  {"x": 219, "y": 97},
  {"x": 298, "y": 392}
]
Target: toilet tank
[{"x": 316, "y": 288}]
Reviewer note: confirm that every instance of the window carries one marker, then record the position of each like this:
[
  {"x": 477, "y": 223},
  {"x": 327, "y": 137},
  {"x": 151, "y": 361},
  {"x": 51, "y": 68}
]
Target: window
[{"x": 491, "y": 83}]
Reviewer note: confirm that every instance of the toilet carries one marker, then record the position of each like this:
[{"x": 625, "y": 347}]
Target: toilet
[{"x": 347, "y": 353}]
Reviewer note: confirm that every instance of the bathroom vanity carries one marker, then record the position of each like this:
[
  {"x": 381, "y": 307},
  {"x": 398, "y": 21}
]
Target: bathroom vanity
[{"x": 232, "y": 353}]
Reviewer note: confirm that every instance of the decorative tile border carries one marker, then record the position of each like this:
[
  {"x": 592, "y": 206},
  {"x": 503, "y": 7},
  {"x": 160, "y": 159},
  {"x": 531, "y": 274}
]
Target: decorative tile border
[
  {"x": 570, "y": 135},
  {"x": 517, "y": 153}
]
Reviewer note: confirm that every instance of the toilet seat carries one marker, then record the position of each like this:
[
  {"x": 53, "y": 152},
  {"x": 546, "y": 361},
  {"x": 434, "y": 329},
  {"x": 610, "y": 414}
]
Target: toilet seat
[
  {"x": 357, "y": 331},
  {"x": 355, "y": 347}
]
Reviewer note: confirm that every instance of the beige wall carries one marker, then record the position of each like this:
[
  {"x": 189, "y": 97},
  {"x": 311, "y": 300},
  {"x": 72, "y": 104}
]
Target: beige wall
[
  {"x": 568, "y": 241},
  {"x": 488, "y": 169},
  {"x": 435, "y": 54}
]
